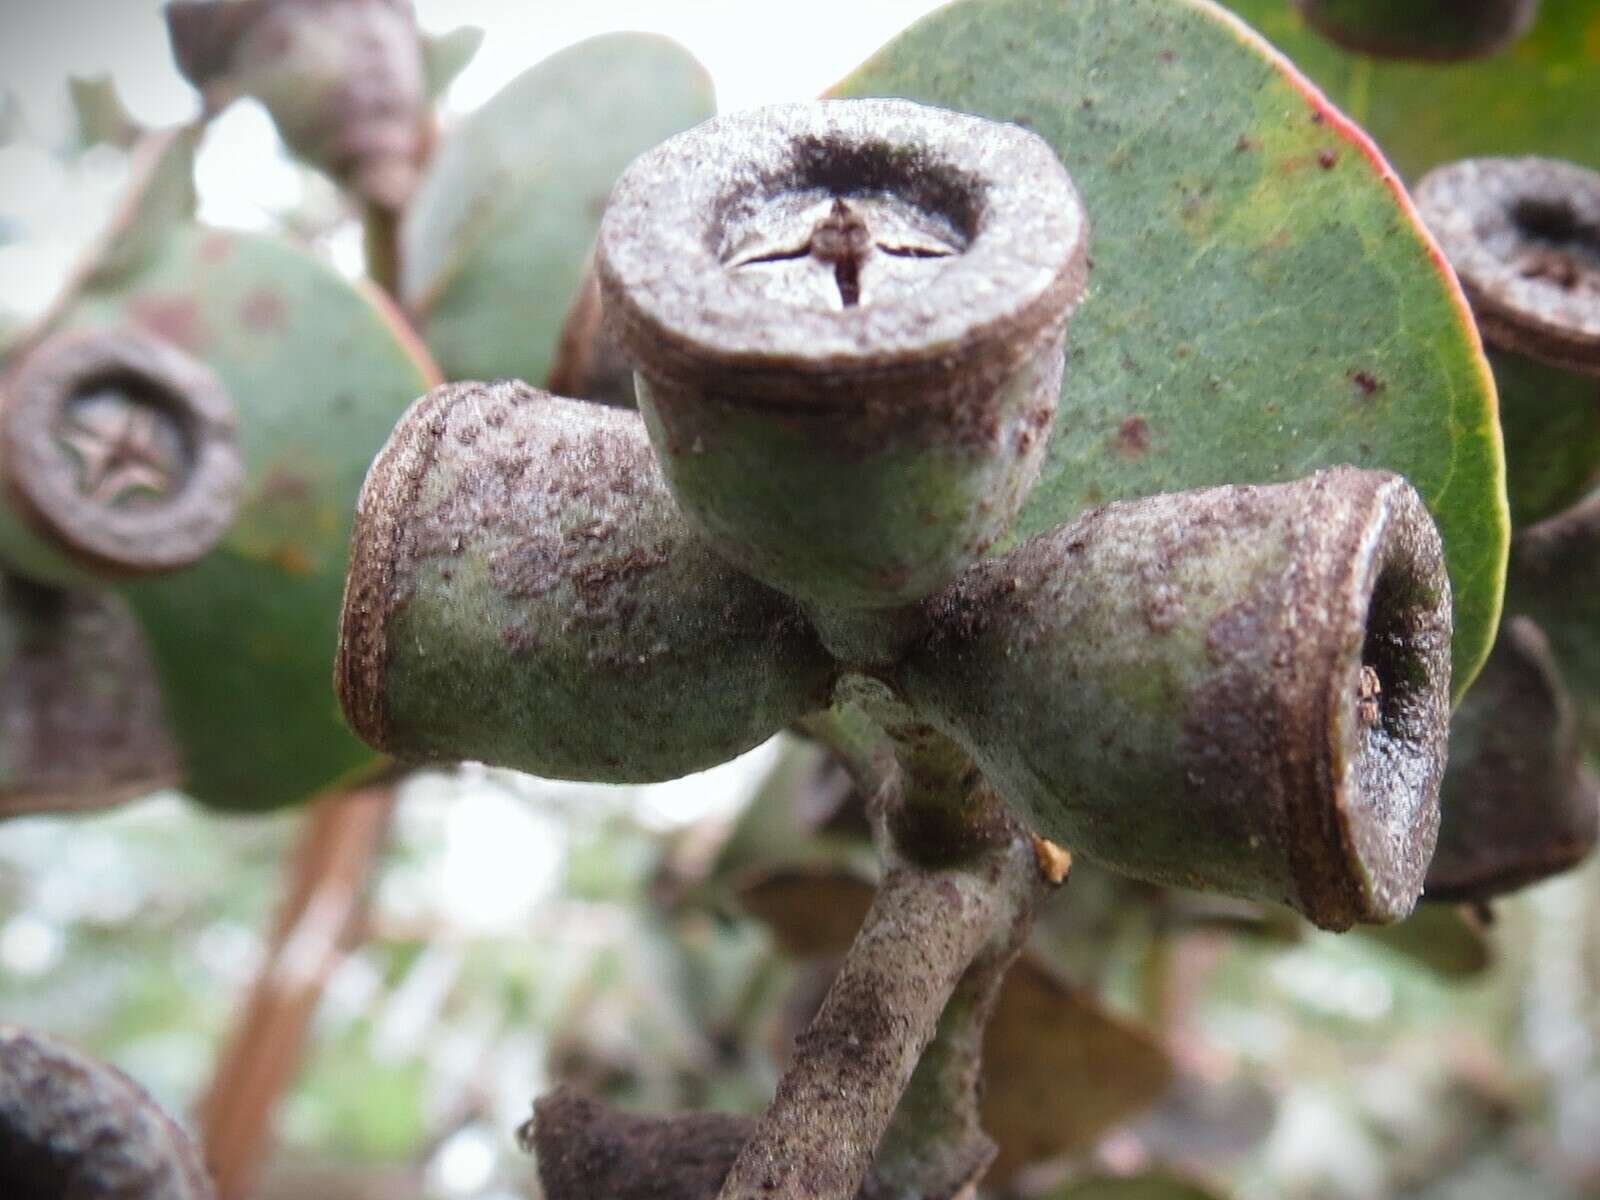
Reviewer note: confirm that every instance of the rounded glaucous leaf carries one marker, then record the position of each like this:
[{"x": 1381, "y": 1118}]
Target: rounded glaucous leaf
[
  {"x": 81, "y": 719},
  {"x": 1263, "y": 300},
  {"x": 524, "y": 591},
  {"x": 495, "y": 242},
  {"x": 1265, "y": 669},
  {"x": 1426, "y": 115},
  {"x": 1422, "y": 30},
  {"x": 847, "y": 320},
  {"x": 317, "y": 371}
]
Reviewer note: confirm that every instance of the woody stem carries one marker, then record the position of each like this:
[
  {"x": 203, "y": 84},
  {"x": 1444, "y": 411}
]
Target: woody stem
[{"x": 928, "y": 926}]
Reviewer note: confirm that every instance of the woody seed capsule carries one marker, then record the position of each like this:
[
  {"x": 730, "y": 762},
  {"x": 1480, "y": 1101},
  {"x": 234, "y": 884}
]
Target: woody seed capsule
[
  {"x": 117, "y": 457},
  {"x": 847, "y": 319}
]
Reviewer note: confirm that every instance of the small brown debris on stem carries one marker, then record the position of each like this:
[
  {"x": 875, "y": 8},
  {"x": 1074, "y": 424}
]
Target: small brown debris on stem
[{"x": 1054, "y": 861}]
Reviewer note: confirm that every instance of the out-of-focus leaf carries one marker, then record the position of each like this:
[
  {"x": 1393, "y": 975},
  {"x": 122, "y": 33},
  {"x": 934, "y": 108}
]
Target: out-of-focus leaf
[
  {"x": 1263, "y": 301},
  {"x": 1551, "y": 420},
  {"x": 813, "y": 911},
  {"x": 446, "y": 55},
  {"x": 1060, "y": 1070},
  {"x": 1447, "y": 939},
  {"x": 1200, "y": 1121},
  {"x": 103, "y": 119},
  {"x": 494, "y": 243},
  {"x": 160, "y": 200},
  {"x": 1537, "y": 98}
]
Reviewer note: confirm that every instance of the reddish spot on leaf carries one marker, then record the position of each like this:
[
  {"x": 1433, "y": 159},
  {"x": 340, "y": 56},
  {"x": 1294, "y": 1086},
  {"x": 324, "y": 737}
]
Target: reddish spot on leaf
[
  {"x": 1133, "y": 437},
  {"x": 1368, "y": 383},
  {"x": 285, "y": 487},
  {"x": 175, "y": 318},
  {"x": 1245, "y": 143},
  {"x": 263, "y": 310},
  {"x": 1326, "y": 159},
  {"x": 293, "y": 559}
]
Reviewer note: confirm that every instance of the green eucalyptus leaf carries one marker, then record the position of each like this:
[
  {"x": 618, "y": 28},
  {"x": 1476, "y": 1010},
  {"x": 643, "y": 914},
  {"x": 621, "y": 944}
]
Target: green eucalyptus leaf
[
  {"x": 446, "y": 55},
  {"x": 159, "y": 199},
  {"x": 1539, "y": 97},
  {"x": 1447, "y": 939},
  {"x": 1263, "y": 300},
  {"x": 317, "y": 371},
  {"x": 103, "y": 119},
  {"x": 495, "y": 241},
  {"x": 1551, "y": 422}
]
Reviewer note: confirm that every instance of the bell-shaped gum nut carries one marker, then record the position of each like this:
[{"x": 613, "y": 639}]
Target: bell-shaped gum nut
[
  {"x": 81, "y": 719},
  {"x": 118, "y": 457},
  {"x": 344, "y": 81},
  {"x": 1421, "y": 30},
  {"x": 205, "y": 34},
  {"x": 1516, "y": 806},
  {"x": 847, "y": 319},
  {"x": 1555, "y": 579},
  {"x": 1523, "y": 234},
  {"x": 523, "y": 591},
  {"x": 71, "y": 1126},
  {"x": 1242, "y": 689}
]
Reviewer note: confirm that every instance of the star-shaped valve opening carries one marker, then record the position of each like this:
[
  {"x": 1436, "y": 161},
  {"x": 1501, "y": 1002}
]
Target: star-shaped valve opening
[
  {"x": 130, "y": 446},
  {"x": 122, "y": 452},
  {"x": 839, "y": 252}
]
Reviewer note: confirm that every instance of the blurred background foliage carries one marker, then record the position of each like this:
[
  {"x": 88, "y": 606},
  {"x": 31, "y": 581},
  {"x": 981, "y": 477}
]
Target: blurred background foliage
[{"x": 522, "y": 933}]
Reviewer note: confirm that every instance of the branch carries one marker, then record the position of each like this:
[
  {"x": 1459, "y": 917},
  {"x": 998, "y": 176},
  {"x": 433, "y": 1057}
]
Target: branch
[{"x": 925, "y": 929}]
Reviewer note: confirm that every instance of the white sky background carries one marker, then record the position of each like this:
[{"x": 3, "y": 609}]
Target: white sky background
[{"x": 758, "y": 52}]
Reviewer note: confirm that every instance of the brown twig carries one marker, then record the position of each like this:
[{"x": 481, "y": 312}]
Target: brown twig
[
  {"x": 328, "y": 876},
  {"x": 933, "y": 932}
]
